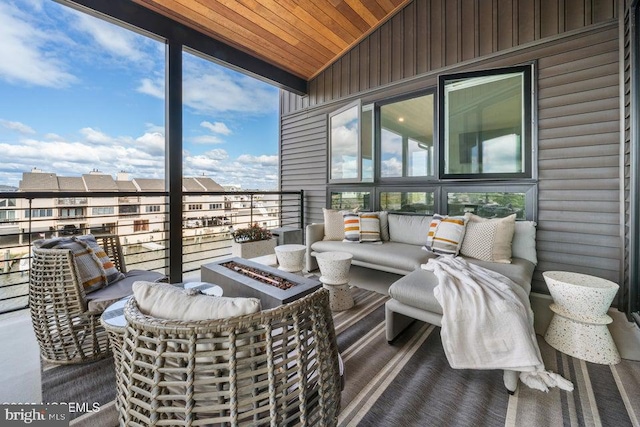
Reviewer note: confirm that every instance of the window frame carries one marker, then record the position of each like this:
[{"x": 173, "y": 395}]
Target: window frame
[
  {"x": 371, "y": 189},
  {"x": 529, "y": 104},
  {"x": 429, "y": 188},
  {"x": 377, "y": 123},
  {"x": 530, "y": 194},
  {"x": 358, "y": 178}
]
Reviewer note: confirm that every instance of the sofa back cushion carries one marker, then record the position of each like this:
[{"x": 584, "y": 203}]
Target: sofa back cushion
[
  {"x": 411, "y": 229},
  {"x": 524, "y": 241}
]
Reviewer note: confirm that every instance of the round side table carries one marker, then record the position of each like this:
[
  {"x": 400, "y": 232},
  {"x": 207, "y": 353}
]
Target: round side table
[
  {"x": 579, "y": 324},
  {"x": 291, "y": 257},
  {"x": 334, "y": 270}
]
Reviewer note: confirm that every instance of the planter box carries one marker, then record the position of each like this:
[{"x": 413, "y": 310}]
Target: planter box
[{"x": 253, "y": 249}]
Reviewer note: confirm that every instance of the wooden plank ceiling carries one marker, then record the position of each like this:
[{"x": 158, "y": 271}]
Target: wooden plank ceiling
[{"x": 302, "y": 37}]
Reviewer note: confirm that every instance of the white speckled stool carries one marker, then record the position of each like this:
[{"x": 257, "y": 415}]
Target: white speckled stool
[
  {"x": 579, "y": 324},
  {"x": 334, "y": 270},
  {"x": 291, "y": 257}
]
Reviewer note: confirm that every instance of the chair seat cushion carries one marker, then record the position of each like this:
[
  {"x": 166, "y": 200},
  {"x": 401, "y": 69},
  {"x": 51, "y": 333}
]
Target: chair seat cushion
[
  {"x": 416, "y": 289},
  {"x": 99, "y": 300}
]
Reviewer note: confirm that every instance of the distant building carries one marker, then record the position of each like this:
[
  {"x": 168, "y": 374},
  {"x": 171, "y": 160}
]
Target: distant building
[{"x": 137, "y": 213}]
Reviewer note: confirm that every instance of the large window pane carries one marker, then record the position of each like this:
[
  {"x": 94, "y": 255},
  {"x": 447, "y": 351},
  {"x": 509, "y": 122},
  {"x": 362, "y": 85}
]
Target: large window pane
[
  {"x": 485, "y": 123},
  {"x": 350, "y": 200},
  {"x": 406, "y": 201},
  {"x": 488, "y": 205},
  {"x": 344, "y": 144},
  {"x": 407, "y": 137}
]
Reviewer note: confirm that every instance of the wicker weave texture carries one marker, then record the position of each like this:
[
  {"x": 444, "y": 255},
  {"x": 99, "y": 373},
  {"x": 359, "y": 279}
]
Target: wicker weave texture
[
  {"x": 65, "y": 330},
  {"x": 277, "y": 367}
]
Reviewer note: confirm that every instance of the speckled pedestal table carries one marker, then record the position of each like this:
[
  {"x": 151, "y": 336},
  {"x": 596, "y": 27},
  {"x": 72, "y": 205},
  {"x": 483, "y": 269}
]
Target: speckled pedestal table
[
  {"x": 291, "y": 257},
  {"x": 334, "y": 275},
  {"x": 579, "y": 324}
]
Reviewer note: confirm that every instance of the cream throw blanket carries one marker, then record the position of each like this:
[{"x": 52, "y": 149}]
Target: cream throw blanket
[{"x": 488, "y": 322}]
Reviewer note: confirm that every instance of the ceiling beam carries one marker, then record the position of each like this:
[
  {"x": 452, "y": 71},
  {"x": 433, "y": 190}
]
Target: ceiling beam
[{"x": 137, "y": 17}]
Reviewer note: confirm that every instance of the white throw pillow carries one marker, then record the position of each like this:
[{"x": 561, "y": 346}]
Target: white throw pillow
[
  {"x": 170, "y": 302},
  {"x": 489, "y": 239},
  {"x": 333, "y": 224}
]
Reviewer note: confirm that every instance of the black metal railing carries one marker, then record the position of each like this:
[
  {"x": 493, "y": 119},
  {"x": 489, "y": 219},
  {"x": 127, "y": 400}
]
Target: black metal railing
[{"x": 207, "y": 222}]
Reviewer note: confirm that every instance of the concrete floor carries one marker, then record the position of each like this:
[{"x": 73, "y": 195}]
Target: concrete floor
[{"x": 20, "y": 361}]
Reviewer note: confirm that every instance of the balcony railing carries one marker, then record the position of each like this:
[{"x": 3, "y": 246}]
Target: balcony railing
[{"x": 206, "y": 232}]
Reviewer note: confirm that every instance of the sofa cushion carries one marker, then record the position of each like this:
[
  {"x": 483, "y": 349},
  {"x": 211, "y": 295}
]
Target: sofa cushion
[
  {"x": 416, "y": 289},
  {"x": 524, "y": 241},
  {"x": 99, "y": 300},
  {"x": 489, "y": 239},
  {"x": 411, "y": 229},
  {"x": 399, "y": 256},
  {"x": 166, "y": 301}
]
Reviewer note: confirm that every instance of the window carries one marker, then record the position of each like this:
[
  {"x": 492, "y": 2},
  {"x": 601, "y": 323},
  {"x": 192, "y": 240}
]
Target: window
[
  {"x": 195, "y": 207},
  {"x": 351, "y": 144},
  {"x": 103, "y": 210},
  {"x": 7, "y": 216},
  {"x": 71, "y": 212},
  {"x": 492, "y": 201},
  {"x": 349, "y": 200},
  {"x": 7, "y": 203},
  {"x": 407, "y": 201},
  {"x": 469, "y": 149},
  {"x": 141, "y": 225},
  {"x": 40, "y": 213},
  {"x": 152, "y": 208},
  {"x": 128, "y": 209},
  {"x": 406, "y": 137},
  {"x": 215, "y": 205},
  {"x": 485, "y": 122}
]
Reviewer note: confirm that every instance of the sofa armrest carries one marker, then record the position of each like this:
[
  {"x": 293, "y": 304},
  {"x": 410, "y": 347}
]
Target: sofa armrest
[{"x": 313, "y": 233}]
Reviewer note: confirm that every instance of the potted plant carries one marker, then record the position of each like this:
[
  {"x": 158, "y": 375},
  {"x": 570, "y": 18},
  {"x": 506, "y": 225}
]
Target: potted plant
[{"x": 252, "y": 242}]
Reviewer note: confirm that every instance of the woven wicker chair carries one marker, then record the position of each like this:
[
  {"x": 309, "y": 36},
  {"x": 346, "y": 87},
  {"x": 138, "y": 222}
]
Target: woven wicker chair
[
  {"x": 277, "y": 367},
  {"x": 66, "y": 331}
]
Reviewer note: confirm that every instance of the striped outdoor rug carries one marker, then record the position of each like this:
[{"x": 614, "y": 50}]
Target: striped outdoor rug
[{"x": 410, "y": 383}]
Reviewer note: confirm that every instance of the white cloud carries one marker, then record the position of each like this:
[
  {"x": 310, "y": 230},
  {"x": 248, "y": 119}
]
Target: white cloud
[
  {"x": 95, "y": 136},
  {"x": 263, "y": 160},
  {"x": 211, "y": 89},
  {"x": 252, "y": 172},
  {"x": 18, "y": 127},
  {"x": 151, "y": 87},
  {"x": 207, "y": 139},
  {"x": 115, "y": 40},
  {"x": 216, "y": 127},
  {"x": 24, "y": 56},
  {"x": 392, "y": 167}
]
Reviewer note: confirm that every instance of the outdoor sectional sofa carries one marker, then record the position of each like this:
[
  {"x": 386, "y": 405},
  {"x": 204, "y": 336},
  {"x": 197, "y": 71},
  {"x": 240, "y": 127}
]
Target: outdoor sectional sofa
[{"x": 401, "y": 252}]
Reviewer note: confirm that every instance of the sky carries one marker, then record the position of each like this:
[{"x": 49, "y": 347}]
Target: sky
[{"x": 78, "y": 94}]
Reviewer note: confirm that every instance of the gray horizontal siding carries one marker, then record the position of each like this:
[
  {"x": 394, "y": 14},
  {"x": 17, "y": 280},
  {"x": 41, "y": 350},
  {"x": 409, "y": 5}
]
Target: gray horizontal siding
[
  {"x": 303, "y": 160},
  {"x": 578, "y": 147}
]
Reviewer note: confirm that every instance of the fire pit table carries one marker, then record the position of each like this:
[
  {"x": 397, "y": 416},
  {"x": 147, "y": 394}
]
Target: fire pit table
[{"x": 239, "y": 277}]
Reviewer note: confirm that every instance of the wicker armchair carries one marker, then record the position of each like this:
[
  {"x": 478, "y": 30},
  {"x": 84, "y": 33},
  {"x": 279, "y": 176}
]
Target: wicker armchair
[
  {"x": 66, "y": 330},
  {"x": 276, "y": 367}
]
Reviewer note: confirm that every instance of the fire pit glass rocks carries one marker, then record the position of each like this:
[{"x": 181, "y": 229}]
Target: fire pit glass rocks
[{"x": 239, "y": 277}]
